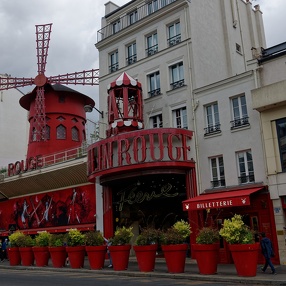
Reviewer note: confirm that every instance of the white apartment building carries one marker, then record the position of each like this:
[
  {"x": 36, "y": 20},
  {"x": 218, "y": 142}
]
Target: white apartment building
[
  {"x": 270, "y": 101},
  {"x": 196, "y": 61},
  {"x": 191, "y": 58},
  {"x": 14, "y": 128}
]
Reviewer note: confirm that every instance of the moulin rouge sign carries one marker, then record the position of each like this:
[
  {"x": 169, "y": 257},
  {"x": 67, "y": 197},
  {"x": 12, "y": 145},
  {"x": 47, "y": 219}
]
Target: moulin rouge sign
[
  {"x": 24, "y": 166},
  {"x": 144, "y": 148}
]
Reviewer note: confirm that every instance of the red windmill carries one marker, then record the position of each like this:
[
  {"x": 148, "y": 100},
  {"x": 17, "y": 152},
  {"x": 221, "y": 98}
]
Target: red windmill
[{"x": 89, "y": 77}]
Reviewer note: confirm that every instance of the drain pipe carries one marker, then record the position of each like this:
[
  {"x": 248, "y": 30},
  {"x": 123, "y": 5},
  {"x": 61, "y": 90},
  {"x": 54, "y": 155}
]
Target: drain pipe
[{"x": 194, "y": 105}]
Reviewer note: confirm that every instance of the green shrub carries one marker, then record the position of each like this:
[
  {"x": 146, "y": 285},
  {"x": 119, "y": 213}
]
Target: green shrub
[{"x": 75, "y": 237}]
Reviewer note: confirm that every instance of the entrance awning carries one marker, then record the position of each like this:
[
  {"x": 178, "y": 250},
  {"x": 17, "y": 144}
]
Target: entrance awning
[{"x": 226, "y": 199}]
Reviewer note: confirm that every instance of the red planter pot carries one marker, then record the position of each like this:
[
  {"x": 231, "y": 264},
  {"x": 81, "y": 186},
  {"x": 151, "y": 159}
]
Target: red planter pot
[
  {"x": 96, "y": 256},
  {"x": 27, "y": 256},
  {"x": 146, "y": 256},
  {"x": 14, "y": 256},
  {"x": 120, "y": 256},
  {"x": 245, "y": 257},
  {"x": 207, "y": 256},
  {"x": 58, "y": 256},
  {"x": 175, "y": 256},
  {"x": 76, "y": 256},
  {"x": 41, "y": 255}
]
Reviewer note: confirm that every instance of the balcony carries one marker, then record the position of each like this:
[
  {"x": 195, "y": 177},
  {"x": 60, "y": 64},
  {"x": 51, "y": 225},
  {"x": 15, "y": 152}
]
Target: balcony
[
  {"x": 212, "y": 129},
  {"x": 131, "y": 60},
  {"x": 113, "y": 67},
  {"x": 124, "y": 21},
  {"x": 174, "y": 40},
  {"x": 152, "y": 50},
  {"x": 154, "y": 92},
  {"x": 239, "y": 122},
  {"x": 178, "y": 84},
  {"x": 218, "y": 183},
  {"x": 246, "y": 179}
]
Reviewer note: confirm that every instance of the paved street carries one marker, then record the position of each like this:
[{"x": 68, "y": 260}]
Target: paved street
[
  {"x": 42, "y": 276},
  {"x": 13, "y": 277}
]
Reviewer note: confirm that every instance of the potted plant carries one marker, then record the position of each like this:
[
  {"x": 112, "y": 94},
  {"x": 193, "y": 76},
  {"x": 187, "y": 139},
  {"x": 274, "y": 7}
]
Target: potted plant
[
  {"x": 146, "y": 245},
  {"x": 96, "y": 249},
  {"x": 76, "y": 248},
  {"x": 57, "y": 249},
  {"x": 41, "y": 251},
  {"x": 174, "y": 246},
  {"x": 25, "y": 243},
  {"x": 241, "y": 244},
  {"x": 206, "y": 250},
  {"x": 120, "y": 247},
  {"x": 13, "y": 249}
]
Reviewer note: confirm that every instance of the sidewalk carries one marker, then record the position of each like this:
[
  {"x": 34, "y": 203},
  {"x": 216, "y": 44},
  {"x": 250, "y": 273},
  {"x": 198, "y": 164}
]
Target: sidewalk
[{"x": 226, "y": 272}]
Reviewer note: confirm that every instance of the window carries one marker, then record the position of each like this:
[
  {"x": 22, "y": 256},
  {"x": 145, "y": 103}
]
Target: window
[
  {"x": 174, "y": 32},
  {"x": 113, "y": 61},
  {"x": 131, "y": 54},
  {"x": 239, "y": 109},
  {"x": 48, "y": 132},
  {"x": 61, "y": 132},
  {"x": 213, "y": 125},
  {"x": 152, "y": 44},
  {"x": 75, "y": 134},
  {"x": 238, "y": 48},
  {"x": 152, "y": 7},
  {"x": 245, "y": 167},
  {"x": 115, "y": 26},
  {"x": 133, "y": 17},
  {"x": 281, "y": 135},
  {"x": 217, "y": 172},
  {"x": 177, "y": 75},
  {"x": 154, "y": 84},
  {"x": 180, "y": 118},
  {"x": 156, "y": 121}
]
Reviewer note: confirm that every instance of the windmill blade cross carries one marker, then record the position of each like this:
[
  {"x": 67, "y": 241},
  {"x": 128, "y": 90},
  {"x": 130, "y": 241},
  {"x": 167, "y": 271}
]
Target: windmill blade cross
[
  {"x": 14, "y": 82},
  {"x": 43, "y": 33}
]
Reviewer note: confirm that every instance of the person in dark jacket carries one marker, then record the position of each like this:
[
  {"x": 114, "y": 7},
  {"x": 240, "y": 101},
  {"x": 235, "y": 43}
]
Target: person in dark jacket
[{"x": 267, "y": 251}]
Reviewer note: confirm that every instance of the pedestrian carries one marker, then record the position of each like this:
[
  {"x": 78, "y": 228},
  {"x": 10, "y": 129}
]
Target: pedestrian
[
  {"x": 4, "y": 249},
  {"x": 267, "y": 251},
  {"x": 1, "y": 253},
  {"x": 108, "y": 252}
]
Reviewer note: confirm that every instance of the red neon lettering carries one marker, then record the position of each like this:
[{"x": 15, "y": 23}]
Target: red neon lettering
[
  {"x": 136, "y": 140},
  {"x": 122, "y": 151},
  {"x": 170, "y": 147}
]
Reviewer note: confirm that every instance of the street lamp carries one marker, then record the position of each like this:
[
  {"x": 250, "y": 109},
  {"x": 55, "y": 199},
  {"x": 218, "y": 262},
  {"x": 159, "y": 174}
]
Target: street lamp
[{"x": 88, "y": 108}]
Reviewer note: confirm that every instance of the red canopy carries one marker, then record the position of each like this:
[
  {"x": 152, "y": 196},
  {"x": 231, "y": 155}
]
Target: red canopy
[{"x": 124, "y": 79}]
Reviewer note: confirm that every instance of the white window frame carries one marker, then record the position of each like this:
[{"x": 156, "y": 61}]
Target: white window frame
[
  {"x": 239, "y": 111},
  {"x": 152, "y": 44},
  {"x": 174, "y": 33},
  {"x": 131, "y": 54},
  {"x": 177, "y": 75},
  {"x": 156, "y": 121},
  {"x": 154, "y": 83},
  {"x": 217, "y": 171},
  {"x": 113, "y": 61},
  {"x": 245, "y": 166},
  {"x": 212, "y": 118},
  {"x": 180, "y": 119}
]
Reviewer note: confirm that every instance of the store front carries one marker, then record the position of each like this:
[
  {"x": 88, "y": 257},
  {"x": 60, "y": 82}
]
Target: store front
[
  {"x": 253, "y": 203},
  {"x": 144, "y": 174}
]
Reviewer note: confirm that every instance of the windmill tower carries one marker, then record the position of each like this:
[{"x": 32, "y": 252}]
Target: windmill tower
[{"x": 48, "y": 104}]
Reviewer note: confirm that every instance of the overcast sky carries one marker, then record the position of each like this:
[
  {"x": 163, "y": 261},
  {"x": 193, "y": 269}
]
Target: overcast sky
[{"x": 74, "y": 33}]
